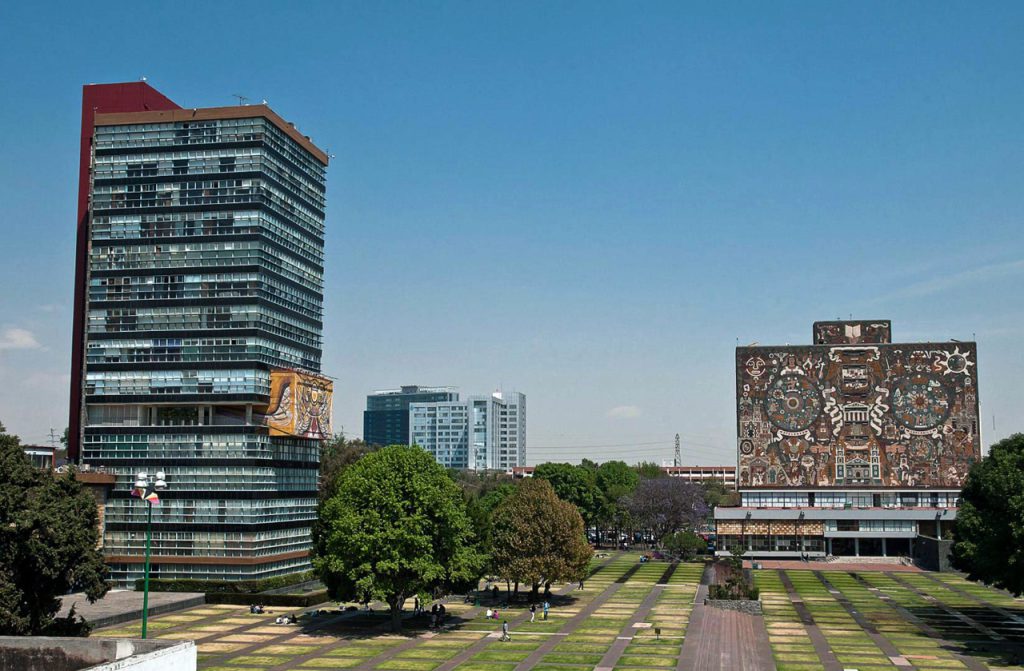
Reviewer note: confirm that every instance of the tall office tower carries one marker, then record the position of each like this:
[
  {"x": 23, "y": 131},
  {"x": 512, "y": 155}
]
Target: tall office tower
[
  {"x": 854, "y": 445},
  {"x": 386, "y": 418},
  {"x": 199, "y": 293},
  {"x": 480, "y": 433}
]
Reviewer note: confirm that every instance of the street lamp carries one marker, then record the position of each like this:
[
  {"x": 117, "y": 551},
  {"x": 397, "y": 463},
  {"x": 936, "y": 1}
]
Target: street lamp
[{"x": 146, "y": 487}]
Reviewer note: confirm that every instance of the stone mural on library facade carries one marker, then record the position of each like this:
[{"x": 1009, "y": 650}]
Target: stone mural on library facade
[{"x": 873, "y": 415}]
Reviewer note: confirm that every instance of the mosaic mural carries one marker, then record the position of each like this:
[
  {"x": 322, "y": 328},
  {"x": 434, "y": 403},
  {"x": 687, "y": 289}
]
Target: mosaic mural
[
  {"x": 300, "y": 405},
  {"x": 873, "y": 415}
]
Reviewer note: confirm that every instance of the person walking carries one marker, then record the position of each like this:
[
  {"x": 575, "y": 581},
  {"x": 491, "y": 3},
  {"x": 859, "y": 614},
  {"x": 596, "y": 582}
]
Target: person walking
[
  {"x": 505, "y": 636},
  {"x": 533, "y": 612},
  {"x": 416, "y": 606},
  {"x": 547, "y": 606}
]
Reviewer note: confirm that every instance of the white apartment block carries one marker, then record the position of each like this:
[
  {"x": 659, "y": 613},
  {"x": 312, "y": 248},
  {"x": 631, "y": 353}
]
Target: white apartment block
[{"x": 479, "y": 433}]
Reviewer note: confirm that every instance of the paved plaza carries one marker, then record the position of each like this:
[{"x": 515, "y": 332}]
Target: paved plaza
[{"x": 634, "y": 615}]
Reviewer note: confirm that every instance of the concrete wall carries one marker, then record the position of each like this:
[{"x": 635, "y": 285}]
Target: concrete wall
[
  {"x": 44, "y": 653},
  {"x": 932, "y": 554}
]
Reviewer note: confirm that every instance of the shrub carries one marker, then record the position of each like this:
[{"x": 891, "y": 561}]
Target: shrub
[{"x": 224, "y": 586}]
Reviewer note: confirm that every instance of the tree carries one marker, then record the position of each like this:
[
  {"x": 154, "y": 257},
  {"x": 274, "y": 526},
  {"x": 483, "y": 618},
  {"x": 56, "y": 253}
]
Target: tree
[
  {"x": 615, "y": 480},
  {"x": 685, "y": 544},
  {"x": 649, "y": 470},
  {"x": 48, "y": 538},
  {"x": 715, "y": 492},
  {"x": 395, "y": 527},
  {"x": 538, "y": 538},
  {"x": 574, "y": 484},
  {"x": 337, "y": 454},
  {"x": 989, "y": 533},
  {"x": 666, "y": 505}
]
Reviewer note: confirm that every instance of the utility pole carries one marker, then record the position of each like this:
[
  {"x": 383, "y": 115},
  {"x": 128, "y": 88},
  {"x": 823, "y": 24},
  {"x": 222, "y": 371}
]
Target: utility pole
[
  {"x": 53, "y": 438},
  {"x": 678, "y": 461}
]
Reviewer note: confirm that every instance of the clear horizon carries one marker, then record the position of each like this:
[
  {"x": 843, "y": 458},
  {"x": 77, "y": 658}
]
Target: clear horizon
[{"x": 592, "y": 206}]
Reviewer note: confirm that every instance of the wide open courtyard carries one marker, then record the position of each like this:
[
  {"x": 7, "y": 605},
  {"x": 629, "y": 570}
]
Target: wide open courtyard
[{"x": 633, "y": 615}]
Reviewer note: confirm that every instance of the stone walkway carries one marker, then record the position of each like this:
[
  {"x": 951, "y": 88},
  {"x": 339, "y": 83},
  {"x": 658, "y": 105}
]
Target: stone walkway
[{"x": 724, "y": 640}]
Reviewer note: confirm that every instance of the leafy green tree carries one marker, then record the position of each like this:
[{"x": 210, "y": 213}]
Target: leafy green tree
[
  {"x": 48, "y": 539},
  {"x": 615, "y": 481},
  {"x": 574, "y": 484},
  {"x": 538, "y": 538},
  {"x": 648, "y": 470},
  {"x": 715, "y": 492},
  {"x": 989, "y": 533},
  {"x": 396, "y": 526},
  {"x": 481, "y": 509},
  {"x": 685, "y": 544},
  {"x": 336, "y": 455}
]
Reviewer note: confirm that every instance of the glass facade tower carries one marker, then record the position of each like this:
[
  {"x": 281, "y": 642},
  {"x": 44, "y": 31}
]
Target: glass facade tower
[
  {"x": 201, "y": 337},
  {"x": 386, "y": 419}
]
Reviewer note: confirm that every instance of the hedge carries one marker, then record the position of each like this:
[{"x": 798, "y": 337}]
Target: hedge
[
  {"x": 280, "y": 600},
  {"x": 224, "y": 586}
]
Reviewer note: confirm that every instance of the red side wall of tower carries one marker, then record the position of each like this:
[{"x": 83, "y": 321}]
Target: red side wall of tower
[{"x": 96, "y": 98}]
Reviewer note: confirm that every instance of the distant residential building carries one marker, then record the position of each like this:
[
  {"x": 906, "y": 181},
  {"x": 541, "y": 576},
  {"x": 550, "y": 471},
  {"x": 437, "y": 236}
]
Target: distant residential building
[
  {"x": 386, "y": 418},
  {"x": 480, "y": 433}
]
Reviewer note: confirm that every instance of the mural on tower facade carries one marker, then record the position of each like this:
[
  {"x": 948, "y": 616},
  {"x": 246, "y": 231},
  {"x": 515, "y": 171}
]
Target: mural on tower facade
[
  {"x": 300, "y": 405},
  {"x": 871, "y": 414}
]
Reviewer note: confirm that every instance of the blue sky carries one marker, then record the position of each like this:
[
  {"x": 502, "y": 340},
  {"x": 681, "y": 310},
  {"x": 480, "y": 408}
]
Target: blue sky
[{"x": 591, "y": 203}]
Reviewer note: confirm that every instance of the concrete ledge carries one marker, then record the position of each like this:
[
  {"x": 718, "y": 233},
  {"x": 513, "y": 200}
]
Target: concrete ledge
[
  {"x": 48, "y": 653},
  {"x": 124, "y": 606}
]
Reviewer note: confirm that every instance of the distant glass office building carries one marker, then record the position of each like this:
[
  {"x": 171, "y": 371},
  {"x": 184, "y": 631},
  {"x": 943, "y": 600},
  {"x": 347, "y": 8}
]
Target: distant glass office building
[
  {"x": 386, "y": 419},
  {"x": 199, "y": 299},
  {"x": 480, "y": 433}
]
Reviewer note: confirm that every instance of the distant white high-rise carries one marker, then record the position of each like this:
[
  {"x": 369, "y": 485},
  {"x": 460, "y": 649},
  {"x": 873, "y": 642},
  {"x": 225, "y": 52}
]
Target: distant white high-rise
[{"x": 479, "y": 433}]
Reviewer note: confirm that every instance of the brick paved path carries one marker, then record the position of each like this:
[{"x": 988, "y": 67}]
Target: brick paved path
[{"x": 724, "y": 640}]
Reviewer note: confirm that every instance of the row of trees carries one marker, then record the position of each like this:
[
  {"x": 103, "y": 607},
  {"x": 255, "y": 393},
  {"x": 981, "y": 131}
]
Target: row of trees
[{"x": 393, "y": 524}]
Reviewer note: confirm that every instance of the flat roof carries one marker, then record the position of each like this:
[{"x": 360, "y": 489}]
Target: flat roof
[{"x": 213, "y": 113}]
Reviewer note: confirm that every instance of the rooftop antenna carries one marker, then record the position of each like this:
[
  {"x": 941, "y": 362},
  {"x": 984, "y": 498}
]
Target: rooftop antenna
[
  {"x": 678, "y": 461},
  {"x": 242, "y": 100}
]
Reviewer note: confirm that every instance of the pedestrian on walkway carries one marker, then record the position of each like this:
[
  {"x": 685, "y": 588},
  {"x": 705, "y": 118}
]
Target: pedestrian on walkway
[
  {"x": 581, "y": 585},
  {"x": 547, "y": 606},
  {"x": 505, "y": 636},
  {"x": 416, "y": 606},
  {"x": 533, "y": 612}
]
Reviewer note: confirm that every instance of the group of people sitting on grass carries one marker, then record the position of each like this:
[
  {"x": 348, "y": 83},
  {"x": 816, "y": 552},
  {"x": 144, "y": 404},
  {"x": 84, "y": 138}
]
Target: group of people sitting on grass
[{"x": 286, "y": 619}]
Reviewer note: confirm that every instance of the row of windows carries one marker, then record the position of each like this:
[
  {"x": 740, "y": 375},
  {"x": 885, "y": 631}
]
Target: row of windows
[
  {"x": 177, "y": 382},
  {"x": 186, "y": 318},
  {"x": 196, "y": 445},
  {"x": 200, "y": 350},
  {"x": 210, "y": 132},
  {"x": 763, "y": 543},
  {"x": 206, "y": 162},
  {"x": 246, "y": 478},
  {"x": 223, "y": 511},
  {"x": 173, "y": 193},
  {"x": 248, "y": 196},
  {"x": 226, "y": 285},
  {"x": 850, "y": 499},
  {"x": 125, "y": 575},
  {"x": 193, "y": 254},
  {"x": 197, "y": 224}
]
